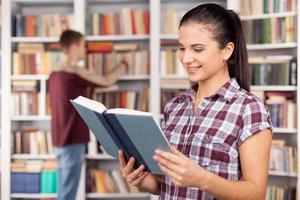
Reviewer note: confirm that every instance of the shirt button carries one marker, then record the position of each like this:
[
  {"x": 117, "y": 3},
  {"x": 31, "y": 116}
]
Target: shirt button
[{"x": 203, "y": 104}]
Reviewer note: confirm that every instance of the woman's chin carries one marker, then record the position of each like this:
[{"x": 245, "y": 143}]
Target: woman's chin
[{"x": 194, "y": 79}]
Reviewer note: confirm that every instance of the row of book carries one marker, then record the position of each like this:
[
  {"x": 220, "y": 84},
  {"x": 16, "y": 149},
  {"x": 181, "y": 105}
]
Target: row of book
[
  {"x": 103, "y": 63},
  {"x": 36, "y": 58},
  {"x": 104, "y": 56},
  {"x": 124, "y": 99},
  {"x": 274, "y": 74},
  {"x": 280, "y": 193},
  {"x": 41, "y": 25},
  {"x": 36, "y": 63},
  {"x": 283, "y": 109},
  {"x": 273, "y": 30},
  {"x": 171, "y": 23},
  {"x": 25, "y": 103},
  {"x": 33, "y": 176},
  {"x": 283, "y": 158},
  {"x": 125, "y": 22},
  {"x": 99, "y": 181},
  {"x": 25, "y": 98},
  {"x": 254, "y": 7},
  {"x": 170, "y": 64},
  {"x": 30, "y": 140}
]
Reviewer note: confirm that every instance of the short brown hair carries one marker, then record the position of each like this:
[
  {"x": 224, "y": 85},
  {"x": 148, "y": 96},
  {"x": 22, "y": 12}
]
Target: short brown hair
[{"x": 69, "y": 37}]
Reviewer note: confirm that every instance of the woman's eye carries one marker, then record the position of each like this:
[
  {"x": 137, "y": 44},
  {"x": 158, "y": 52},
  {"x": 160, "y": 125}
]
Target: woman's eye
[
  {"x": 181, "y": 49},
  {"x": 198, "y": 50}
]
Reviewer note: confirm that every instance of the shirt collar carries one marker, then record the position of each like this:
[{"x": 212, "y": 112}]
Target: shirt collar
[{"x": 227, "y": 91}]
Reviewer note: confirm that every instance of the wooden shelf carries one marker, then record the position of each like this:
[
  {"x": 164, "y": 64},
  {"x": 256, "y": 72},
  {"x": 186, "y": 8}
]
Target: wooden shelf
[
  {"x": 32, "y": 195},
  {"x": 117, "y": 37},
  {"x": 117, "y": 1},
  {"x": 99, "y": 157},
  {"x": 284, "y": 174},
  {"x": 34, "y": 39},
  {"x": 273, "y": 88},
  {"x": 41, "y": 2},
  {"x": 31, "y": 118},
  {"x": 30, "y": 77},
  {"x": 266, "y": 16},
  {"x": 33, "y": 156},
  {"x": 285, "y": 130},
  {"x": 117, "y": 195},
  {"x": 271, "y": 46}
]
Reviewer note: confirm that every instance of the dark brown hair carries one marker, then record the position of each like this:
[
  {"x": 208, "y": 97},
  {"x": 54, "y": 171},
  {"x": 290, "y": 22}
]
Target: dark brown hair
[
  {"x": 225, "y": 26},
  {"x": 69, "y": 37}
]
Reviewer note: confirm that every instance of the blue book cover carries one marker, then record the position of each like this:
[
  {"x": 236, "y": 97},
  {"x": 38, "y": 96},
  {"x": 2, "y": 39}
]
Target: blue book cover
[{"x": 136, "y": 133}]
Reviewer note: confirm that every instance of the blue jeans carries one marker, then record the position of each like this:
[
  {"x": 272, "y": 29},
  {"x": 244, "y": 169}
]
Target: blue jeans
[{"x": 69, "y": 162}]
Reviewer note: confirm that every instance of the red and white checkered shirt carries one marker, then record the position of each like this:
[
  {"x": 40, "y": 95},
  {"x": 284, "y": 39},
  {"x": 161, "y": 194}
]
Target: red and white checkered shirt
[{"x": 212, "y": 136}]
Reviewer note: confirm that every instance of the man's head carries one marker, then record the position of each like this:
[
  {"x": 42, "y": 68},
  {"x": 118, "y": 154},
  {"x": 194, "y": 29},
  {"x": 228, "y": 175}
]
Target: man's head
[{"x": 72, "y": 43}]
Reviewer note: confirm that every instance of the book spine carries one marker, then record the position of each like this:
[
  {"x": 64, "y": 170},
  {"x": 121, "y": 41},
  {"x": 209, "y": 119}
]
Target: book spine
[{"x": 130, "y": 149}]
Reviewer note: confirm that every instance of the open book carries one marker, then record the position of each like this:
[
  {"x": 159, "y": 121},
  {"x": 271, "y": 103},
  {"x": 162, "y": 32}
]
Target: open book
[{"x": 136, "y": 133}]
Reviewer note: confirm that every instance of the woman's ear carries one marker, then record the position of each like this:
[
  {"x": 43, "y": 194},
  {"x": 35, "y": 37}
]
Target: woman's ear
[{"x": 227, "y": 51}]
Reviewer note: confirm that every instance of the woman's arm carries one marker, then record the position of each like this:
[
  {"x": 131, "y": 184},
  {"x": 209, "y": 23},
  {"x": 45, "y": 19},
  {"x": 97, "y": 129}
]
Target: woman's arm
[{"x": 254, "y": 155}]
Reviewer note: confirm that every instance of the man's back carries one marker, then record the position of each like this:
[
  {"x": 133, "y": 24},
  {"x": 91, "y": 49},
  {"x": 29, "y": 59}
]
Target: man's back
[{"x": 67, "y": 126}]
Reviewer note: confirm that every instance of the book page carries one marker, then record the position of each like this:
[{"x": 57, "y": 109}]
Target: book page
[
  {"x": 93, "y": 105},
  {"x": 126, "y": 111}
]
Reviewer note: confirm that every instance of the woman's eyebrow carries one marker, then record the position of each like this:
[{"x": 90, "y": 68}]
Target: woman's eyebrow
[{"x": 193, "y": 45}]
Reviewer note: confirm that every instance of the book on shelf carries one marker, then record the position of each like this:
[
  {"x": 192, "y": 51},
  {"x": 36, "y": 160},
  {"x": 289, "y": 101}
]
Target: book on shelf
[
  {"x": 36, "y": 58},
  {"x": 283, "y": 158},
  {"x": 171, "y": 24},
  {"x": 274, "y": 73},
  {"x": 33, "y": 176},
  {"x": 170, "y": 64},
  {"x": 136, "y": 133},
  {"x": 102, "y": 181},
  {"x": 123, "y": 99},
  {"x": 31, "y": 141},
  {"x": 41, "y": 25},
  {"x": 274, "y": 193},
  {"x": 125, "y": 22},
  {"x": 25, "y": 97},
  {"x": 253, "y": 7},
  {"x": 103, "y": 57},
  {"x": 282, "y": 109},
  {"x": 270, "y": 30}
]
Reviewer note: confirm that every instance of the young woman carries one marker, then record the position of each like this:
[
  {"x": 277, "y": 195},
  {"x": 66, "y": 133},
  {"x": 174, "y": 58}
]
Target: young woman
[{"x": 221, "y": 133}]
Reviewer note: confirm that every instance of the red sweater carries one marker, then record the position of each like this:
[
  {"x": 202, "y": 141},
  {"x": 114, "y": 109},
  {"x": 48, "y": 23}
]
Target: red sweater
[{"x": 67, "y": 127}]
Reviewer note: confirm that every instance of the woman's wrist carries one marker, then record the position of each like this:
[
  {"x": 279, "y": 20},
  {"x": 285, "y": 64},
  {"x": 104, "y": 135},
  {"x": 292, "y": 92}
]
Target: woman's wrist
[
  {"x": 203, "y": 180},
  {"x": 150, "y": 184}
]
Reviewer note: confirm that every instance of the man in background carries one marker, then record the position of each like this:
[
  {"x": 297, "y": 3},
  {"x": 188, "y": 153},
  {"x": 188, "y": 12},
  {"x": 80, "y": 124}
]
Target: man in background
[{"x": 69, "y": 132}]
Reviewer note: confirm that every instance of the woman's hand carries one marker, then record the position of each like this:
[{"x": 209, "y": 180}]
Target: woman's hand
[
  {"x": 182, "y": 170},
  {"x": 133, "y": 176}
]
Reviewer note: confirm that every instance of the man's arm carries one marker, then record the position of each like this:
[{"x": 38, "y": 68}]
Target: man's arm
[{"x": 102, "y": 80}]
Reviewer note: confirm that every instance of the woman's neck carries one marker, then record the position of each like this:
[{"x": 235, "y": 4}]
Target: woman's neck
[{"x": 210, "y": 86}]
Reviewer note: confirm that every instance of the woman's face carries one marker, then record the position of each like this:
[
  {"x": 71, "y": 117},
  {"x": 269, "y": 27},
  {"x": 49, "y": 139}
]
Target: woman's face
[{"x": 200, "y": 54}]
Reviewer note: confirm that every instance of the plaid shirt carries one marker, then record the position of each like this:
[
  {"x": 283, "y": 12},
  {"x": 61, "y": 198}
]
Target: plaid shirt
[{"x": 212, "y": 136}]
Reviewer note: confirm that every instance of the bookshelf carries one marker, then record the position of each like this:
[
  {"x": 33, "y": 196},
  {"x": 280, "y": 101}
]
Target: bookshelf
[
  {"x": 1, "y": 11},
  {"x": 15, "y": 35},
  {"x": 155, "y": 41},
  {"x": 279, "y": 51}
]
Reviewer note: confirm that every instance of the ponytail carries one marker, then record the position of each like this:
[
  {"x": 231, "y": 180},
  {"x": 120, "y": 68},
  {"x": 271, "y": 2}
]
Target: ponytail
[{"x": 238, "y": 62}]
